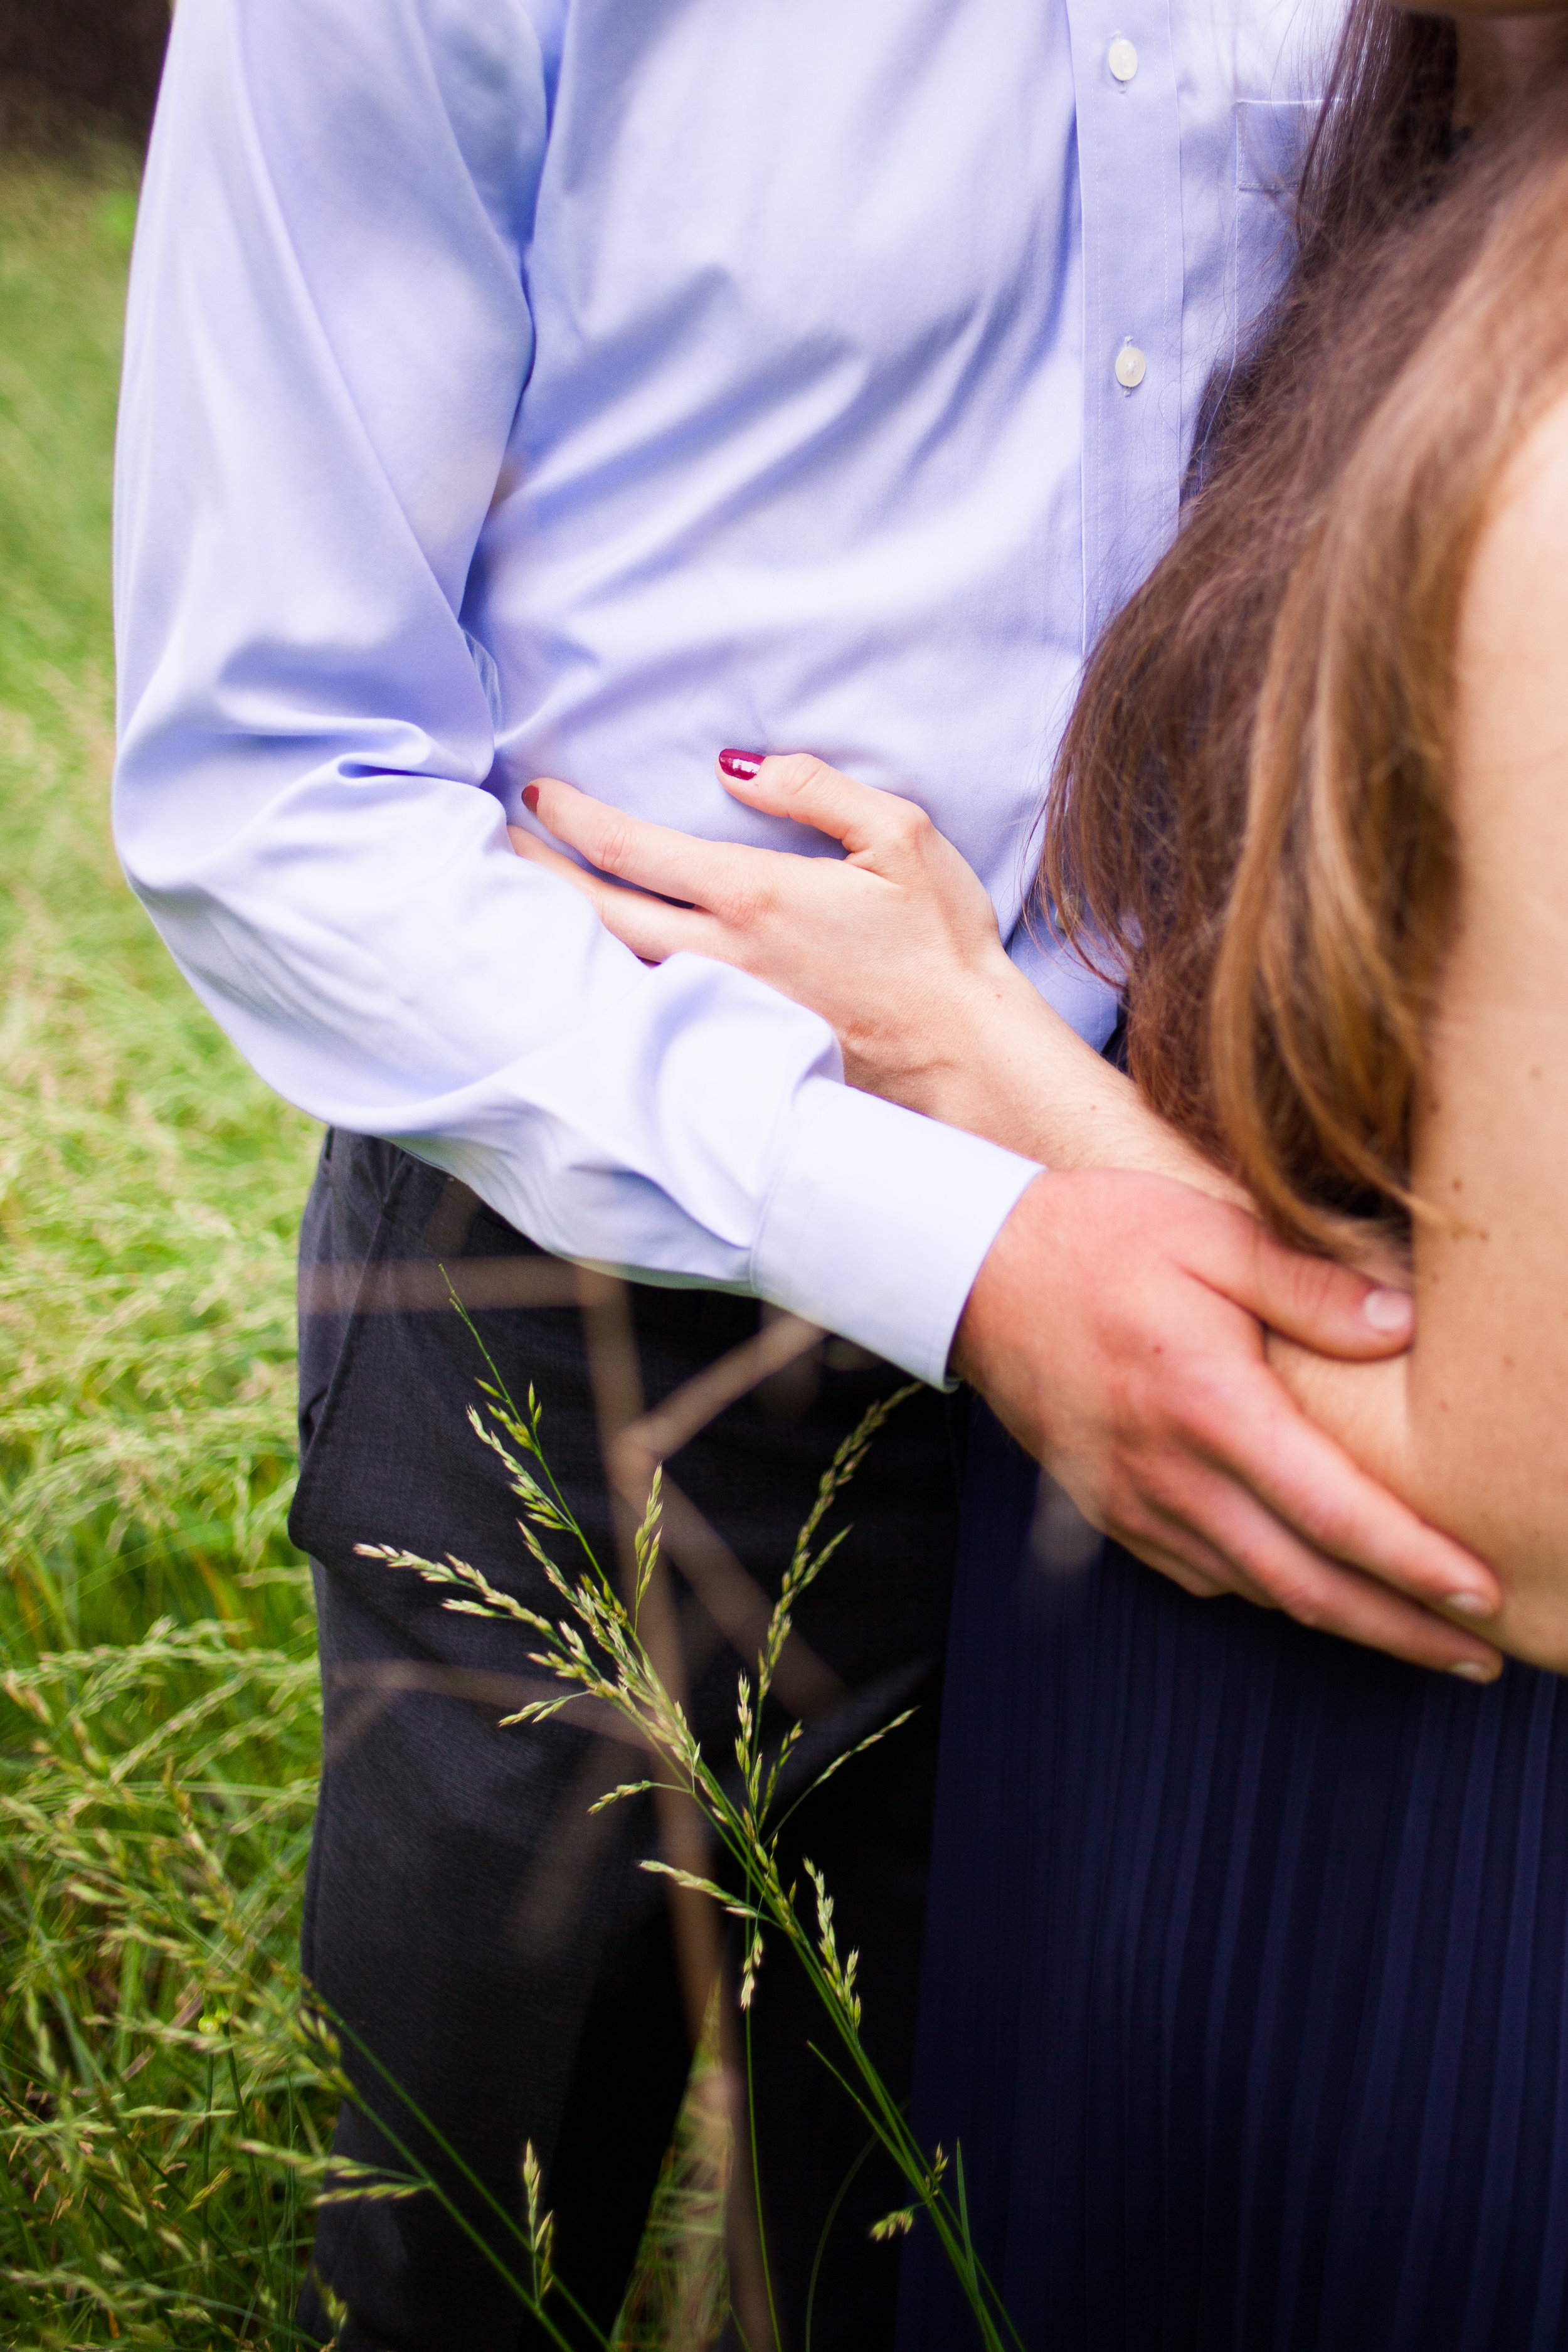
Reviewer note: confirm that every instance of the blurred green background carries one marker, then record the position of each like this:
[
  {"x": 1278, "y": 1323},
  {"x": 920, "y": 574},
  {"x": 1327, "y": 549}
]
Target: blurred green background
[
  {"x": 159, "y": 1743},
  {"x": 164, "y": 2121}
]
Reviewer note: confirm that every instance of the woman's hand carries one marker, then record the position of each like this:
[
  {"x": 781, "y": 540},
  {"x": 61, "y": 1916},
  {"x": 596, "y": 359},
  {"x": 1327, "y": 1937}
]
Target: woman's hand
[{"x": 895, "y": 944}]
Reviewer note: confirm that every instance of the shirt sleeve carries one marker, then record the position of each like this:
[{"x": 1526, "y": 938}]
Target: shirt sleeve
[{"x": 327, "y": 340}]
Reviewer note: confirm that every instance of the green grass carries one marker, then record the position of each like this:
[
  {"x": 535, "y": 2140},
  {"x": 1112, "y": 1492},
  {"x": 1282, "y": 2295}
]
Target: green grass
[
  {"x": 149, "y": 1185},
  {"x": 159, "y": 1748},
  {"x": 159, "y": 1736}
]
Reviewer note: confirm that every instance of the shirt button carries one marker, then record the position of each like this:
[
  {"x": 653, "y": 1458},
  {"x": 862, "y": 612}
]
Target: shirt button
[
  {"x": 1122, "y": 58},
  {"x": 1130, "y": 367}
]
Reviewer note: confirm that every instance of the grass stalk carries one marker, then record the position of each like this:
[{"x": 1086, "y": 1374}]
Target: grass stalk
[{"x": 592, "y": 1647}]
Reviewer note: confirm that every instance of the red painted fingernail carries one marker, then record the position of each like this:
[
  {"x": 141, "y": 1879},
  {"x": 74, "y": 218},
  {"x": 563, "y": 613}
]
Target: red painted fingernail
[
  {"x": 530, "y": 799},
  {"x": 744, "y": 764}
]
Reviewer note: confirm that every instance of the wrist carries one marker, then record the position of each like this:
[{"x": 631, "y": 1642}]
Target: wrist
[
  {"x": 968, "y": 1042},
  {"x": 863, "y": 1190},
  {"x": 986, "y": 1309}
]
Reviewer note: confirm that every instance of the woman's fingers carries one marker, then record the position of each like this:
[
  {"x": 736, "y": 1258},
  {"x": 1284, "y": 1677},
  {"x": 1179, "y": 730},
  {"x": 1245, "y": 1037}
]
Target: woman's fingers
[
  {"x": 808, "y": 791},
  {"x": 733, "y": 882},
  {"x": 650, "y": 927},
  {"x": 529, "y": 846},
  {"x": 654, "y": 930},
  {"x": 652, "y": 856}
]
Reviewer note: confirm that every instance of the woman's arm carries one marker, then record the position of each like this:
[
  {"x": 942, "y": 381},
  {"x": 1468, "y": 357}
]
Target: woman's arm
[
  {"x": 1162, "y": 1417},
  {"x": 897, "y": 946},
  {"x": 1470, "y": 1426}
]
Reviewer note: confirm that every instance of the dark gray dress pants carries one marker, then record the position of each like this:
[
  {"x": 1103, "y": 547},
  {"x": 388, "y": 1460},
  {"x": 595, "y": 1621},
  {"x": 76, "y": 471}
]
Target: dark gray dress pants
[{"x": 492, "y": 1942}]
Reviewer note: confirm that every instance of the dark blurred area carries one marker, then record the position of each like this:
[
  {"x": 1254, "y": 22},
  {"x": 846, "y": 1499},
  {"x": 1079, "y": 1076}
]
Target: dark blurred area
[{"x": 71, "y": 66}]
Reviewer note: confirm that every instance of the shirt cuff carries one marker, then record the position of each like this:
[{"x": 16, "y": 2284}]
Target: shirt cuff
[{"x": 878, "y": 1221}]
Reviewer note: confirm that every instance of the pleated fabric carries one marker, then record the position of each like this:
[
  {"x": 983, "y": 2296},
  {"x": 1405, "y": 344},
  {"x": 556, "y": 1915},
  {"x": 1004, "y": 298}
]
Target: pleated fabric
[{"x": 1245, "y": 1986}]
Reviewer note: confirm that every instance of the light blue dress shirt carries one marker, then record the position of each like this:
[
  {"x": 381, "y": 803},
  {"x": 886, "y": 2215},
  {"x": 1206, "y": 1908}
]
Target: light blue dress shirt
[{"x": 579, "y": 386}]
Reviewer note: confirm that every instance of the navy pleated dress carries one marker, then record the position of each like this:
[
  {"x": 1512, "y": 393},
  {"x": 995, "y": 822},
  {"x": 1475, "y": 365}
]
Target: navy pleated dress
[{"x": 1246, "y": 1989}]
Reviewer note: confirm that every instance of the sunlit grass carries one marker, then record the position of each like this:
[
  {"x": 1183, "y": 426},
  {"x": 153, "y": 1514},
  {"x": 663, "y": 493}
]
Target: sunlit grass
[
  {"x": 149, "y": 1185},
  {"x": 159, "y": 1743}
]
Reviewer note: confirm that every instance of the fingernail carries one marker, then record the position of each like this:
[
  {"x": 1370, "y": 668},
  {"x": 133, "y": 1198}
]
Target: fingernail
[
  {"x": 1388, "y": 1310},
  {"x": 744, "y": 764},
  {"x": 1470, "y": 1670},
  {"x": 1471, "y": 1604},
  {"x": 530, "y": 799}
]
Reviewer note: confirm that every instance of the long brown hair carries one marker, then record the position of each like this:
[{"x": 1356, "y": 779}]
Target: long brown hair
[{"x": 1251, "y": 803}]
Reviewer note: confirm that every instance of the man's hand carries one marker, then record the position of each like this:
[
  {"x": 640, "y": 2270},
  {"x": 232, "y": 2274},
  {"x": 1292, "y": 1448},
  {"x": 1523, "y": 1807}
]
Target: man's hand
[
  {"x": 1118, "y": 1324},
  {"x": 1117, "y": 1329}
]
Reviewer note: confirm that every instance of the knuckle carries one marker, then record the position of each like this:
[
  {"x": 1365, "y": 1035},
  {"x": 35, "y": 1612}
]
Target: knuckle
[
  {"x": 1198, "y": 1583},
  {"x": 749, "y": 903},
  {"x": 1324, "y": 1529},
  {"x": 909, "y": 826},
  {"x": 1317, "y": 1284},
  {"x": 798, "y": 772},
  {"x": 1299, "y": 1595},
  {"x": 1311, "y": 1284},
  {"x": 1221, "y": 1414},
  {"x": 1327, "y": 1519},
  {"x": 1168, "y": 1487},
  {"x": 1116, "y": 1505},
  {"x": 1176, "y": 1419},
  {"x": 611, "y": 847},
  {"x": 1134, "y": 1417},
  {"x": 1152, "y": 1486},
  {"x": 1197, "y": 1398}
]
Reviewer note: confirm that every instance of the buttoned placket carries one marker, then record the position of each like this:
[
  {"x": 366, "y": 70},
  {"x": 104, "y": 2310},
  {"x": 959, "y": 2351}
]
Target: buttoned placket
[{"x": 1129, "y": 149}]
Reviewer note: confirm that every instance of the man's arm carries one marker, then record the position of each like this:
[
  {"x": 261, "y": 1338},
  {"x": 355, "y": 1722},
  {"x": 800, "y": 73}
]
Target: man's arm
[
  {"x": 328, "y": 339},
  {"x": 1117, "y": 1324},
  {"x": 327, "y": 343}
]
